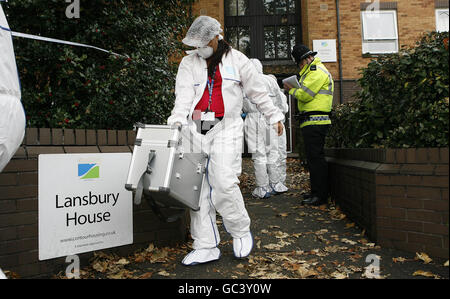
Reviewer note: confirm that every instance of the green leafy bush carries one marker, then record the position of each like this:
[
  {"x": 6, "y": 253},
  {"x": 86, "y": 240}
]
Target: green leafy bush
[
  {"x": 403, "y": 101},
  {"x": 66, "y": 86}
]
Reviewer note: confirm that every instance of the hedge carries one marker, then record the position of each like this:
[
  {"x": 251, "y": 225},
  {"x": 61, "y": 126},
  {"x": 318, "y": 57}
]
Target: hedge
[
  {"x": 403, "y": 102},
  {"x": 66, "y": 86}
]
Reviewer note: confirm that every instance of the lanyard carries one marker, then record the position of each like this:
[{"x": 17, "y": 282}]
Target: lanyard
[{"x": 210, "y": 89}]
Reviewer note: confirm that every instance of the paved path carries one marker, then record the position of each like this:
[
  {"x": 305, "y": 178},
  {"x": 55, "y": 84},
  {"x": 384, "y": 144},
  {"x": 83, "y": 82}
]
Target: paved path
[{"x": 291, "y": 241}]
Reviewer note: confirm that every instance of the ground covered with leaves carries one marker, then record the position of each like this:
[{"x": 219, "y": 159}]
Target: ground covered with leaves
[{"x": 291, "y": 241}]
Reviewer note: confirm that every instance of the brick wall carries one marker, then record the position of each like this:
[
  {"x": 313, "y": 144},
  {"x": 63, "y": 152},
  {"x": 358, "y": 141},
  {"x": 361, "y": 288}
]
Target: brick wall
[
  {"x": 414, "y": 18},
  {"x": 19, "y": 199},
  {"x": 212, "y": 8},
  {"x": 319, "y": 21},
  {"x": 399, "y": 195}
]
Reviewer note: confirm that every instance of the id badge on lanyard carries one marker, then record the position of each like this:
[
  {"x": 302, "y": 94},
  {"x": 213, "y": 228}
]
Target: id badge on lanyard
[{"x": 209, "y": 115}]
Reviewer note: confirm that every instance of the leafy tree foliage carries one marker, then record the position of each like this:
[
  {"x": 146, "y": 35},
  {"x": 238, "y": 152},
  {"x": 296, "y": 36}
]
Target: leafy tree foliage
[
  {"x": 403, "y": 101},
  {"x": 66, "y": 86}
]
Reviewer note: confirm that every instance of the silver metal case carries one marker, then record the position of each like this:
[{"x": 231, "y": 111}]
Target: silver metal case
[{"x": 171, "y": 178}]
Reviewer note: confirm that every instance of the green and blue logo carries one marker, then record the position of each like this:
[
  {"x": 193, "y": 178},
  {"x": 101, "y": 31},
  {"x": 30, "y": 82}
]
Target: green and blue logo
[{"x": 88, "y": 171}]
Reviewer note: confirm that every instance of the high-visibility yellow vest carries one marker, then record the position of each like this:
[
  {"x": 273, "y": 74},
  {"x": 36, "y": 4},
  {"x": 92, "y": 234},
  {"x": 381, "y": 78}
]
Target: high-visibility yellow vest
[{"x": 315, "y": 93}]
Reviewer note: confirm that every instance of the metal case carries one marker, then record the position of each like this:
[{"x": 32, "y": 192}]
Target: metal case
[{"x": 160, "y": 170}]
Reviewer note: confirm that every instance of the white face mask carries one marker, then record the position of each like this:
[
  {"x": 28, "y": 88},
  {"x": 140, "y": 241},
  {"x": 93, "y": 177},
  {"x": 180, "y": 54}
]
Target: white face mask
[{"x": 205, "y": 52}]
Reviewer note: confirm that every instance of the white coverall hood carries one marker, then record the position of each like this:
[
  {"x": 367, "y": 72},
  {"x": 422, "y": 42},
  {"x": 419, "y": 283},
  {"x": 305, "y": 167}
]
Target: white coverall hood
[
  {"x": 12, "y": 116},
  {"x": 202, "y": 31}
]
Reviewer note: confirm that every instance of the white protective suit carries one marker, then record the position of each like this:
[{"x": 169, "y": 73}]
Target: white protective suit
[
  {"x": 12, "y": 116},
  {"x": 264, "y": 143},
  {"x": 278, "y": 185},
  {"x": 223, "y": 143}
]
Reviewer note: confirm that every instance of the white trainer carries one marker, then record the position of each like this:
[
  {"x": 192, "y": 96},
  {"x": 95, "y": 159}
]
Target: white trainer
[
  {"x": 243, "y": 246},
  {"x": 201, "y": 256}
]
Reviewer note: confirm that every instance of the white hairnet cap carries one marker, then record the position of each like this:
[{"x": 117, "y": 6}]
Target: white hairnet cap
[
  {"x": 202, "y": 31},
  {"x": 258, "y": 65}
]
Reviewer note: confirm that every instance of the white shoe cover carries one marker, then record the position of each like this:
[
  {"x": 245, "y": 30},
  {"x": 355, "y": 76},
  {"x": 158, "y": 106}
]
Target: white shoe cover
[
  {"x": 280, "y": 187},
  {"x": 243, "y": 246},
  {"x": 261, "y": 192},
  {"x": 200, "y": 256}
]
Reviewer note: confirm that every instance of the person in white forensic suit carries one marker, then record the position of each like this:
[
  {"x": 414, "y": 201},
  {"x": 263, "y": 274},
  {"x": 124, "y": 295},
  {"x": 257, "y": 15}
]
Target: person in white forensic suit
[
  {"x": 278, "y": 183},
  {"x": 255, "y": 129},
  {"x": 267, "y": 152},
  {"x": 209, "y": 91},
  {"x": 12, "y": 116}
]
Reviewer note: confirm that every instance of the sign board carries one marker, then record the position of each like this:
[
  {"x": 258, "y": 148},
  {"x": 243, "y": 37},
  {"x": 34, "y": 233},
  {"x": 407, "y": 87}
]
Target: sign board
[
  {"x": 326, "y": 49},
  {"x": 83, "y": 203}
]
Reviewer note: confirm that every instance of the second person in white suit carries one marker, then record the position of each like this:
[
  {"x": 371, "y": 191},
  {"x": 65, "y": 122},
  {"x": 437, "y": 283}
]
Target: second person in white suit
[{"x": 267, "y": 148}]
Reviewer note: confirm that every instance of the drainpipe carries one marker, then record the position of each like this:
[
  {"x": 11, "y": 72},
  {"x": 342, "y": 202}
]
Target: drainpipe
[{"x": 341, "y": 90}]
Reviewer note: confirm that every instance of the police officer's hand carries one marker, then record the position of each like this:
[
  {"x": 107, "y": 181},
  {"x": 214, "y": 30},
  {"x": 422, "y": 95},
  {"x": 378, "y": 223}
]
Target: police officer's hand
[{"x": 279, "y": 127}]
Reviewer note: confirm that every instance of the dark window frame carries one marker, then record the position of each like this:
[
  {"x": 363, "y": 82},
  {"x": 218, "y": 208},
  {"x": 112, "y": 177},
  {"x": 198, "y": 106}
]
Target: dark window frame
[{"x": 256, "y": 19}]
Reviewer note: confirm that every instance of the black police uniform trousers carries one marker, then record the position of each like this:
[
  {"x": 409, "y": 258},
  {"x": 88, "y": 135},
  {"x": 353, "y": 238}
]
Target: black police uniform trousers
[{"x": 314, "y": 142}]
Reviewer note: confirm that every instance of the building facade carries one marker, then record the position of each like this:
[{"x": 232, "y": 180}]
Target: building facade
[{"x": 354, "y": 32}]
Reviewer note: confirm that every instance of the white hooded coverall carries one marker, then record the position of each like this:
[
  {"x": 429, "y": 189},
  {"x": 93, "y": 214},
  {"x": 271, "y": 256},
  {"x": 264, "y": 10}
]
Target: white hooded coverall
[
  {"x": 223, "y": 143},
  {"x": 280, "y": 101},
  {"x": 12, "y": 116},
  {"x": 263, "y": 143}
]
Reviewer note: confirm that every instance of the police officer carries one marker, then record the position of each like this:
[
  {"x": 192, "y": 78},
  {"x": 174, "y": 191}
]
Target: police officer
[{"x": 315, "y": 99}]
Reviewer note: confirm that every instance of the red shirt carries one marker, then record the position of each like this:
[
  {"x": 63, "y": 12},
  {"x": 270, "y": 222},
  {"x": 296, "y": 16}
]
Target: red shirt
[{"x": 216, "y": 99}]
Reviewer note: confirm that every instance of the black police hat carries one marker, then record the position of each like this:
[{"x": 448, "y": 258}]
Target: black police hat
[{"x": 300, "y": 52}]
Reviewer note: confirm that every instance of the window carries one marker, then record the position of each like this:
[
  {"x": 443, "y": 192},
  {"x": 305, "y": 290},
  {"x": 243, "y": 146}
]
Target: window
[
  {"x": 379, "y": 31},
  {"x": 274, "y": 7},
  {"x": 239, "y": 37},
  {"x": 263, "y": 29},
  {"x": 236, "y": 7},
  {"x": 278, "y": 41},
  {"x": 442, "y": 20}
]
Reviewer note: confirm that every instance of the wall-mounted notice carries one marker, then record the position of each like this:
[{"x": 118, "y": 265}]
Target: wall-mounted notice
[
  {"x": 326, "y": 49},
  {"x": 83, "y": 203}
]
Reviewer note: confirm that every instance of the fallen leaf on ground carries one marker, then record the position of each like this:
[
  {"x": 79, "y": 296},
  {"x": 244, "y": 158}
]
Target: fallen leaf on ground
[
  {"x": 347, "y": 241},
  {"x": 305, "y": 273},
  {"x": 398, "y": 259},
  {"x": 281, "y": 235},
  {"x": 423, "y": 257},
  {"x": 163, "y": 273},
  {"x": 339, "y": 275},
  {"x": 100, "y": 266},
  {"x": 321, "y": 232},
  {"x": 446, "y": 264},
  {"x": 122, "y": 262},
  {"x": 146, "y": 275},
  {"x": 425, "y": 273},
  {"x": 349, "y": 225}
]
